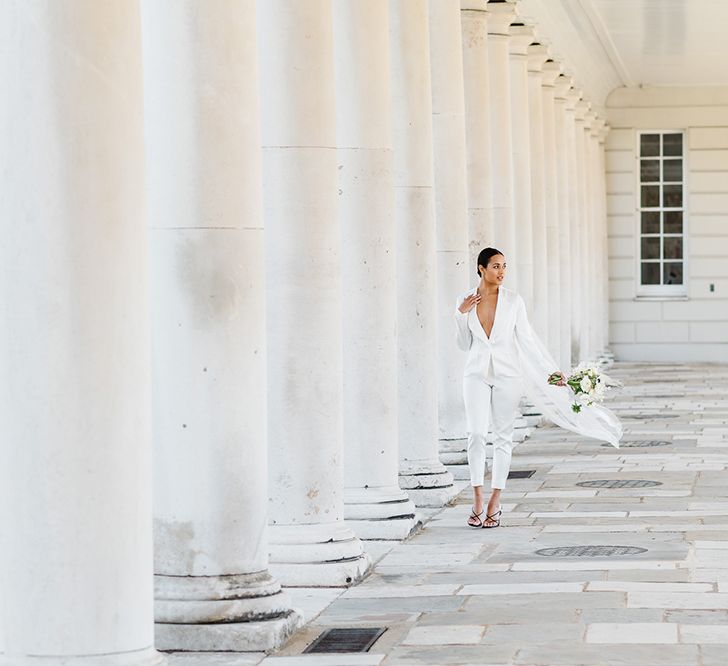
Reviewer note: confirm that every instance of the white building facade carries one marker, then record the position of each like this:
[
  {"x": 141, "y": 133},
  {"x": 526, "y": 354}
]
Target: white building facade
[{"x": 233, "y": 235}]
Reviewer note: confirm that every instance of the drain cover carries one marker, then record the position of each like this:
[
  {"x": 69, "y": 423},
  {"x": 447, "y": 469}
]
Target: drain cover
[
  {"x": 656, "y": 415},
  {"x": 619, "y": 483},
  {"x": 346, "y": 639},
  {"x": 639, "y": 444},
  {"x": 521, "y": 473},
  {"x": 590, "y": 551}
]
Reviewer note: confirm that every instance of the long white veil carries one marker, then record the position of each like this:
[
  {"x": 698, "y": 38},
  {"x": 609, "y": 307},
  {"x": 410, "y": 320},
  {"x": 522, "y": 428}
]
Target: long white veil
[{"x": 554, "y": 402}]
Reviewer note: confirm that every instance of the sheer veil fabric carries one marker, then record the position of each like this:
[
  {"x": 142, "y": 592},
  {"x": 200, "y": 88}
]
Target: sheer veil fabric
[{"x": 554, "y": 402}]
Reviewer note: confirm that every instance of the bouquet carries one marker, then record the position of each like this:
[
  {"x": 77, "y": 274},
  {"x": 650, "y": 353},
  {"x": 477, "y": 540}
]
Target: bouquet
[{"x": 588, "y": 383}]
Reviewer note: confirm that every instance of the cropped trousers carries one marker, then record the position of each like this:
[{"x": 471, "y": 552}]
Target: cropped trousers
[{"x": 491, "y": 402}]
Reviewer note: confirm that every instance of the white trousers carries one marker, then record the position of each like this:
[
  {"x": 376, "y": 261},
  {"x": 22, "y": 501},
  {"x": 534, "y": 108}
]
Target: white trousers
[{"x": 491, "y": 403}]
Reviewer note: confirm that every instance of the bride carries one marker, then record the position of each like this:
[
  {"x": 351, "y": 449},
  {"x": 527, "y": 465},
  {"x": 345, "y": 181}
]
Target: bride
[{"x": 505, "y": 357}]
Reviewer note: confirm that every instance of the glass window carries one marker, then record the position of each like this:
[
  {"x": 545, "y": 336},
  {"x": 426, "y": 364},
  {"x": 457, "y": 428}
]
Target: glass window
[
  {"x": 650, "y": 222},
  {"x": 661, "y": 203},
  {"x": 650, "y": 272},
  {"x": 649, "y": 145}
]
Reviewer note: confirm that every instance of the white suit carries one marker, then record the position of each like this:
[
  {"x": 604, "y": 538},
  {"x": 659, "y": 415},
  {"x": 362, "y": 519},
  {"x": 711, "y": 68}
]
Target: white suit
[
  {"x": 497, "y": 371},
  {"x": 493, "y": 381}
]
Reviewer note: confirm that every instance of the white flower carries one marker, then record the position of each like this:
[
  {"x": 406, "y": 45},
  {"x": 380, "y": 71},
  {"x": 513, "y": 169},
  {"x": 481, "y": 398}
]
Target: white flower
[{"x": 585, "y": 384}]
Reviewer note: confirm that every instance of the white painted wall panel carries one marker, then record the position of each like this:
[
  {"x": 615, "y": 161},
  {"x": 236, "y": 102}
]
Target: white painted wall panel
[
  {"x": 701, "y": 331},
  {"x": 705, "y": 181},
  {"x": 662, "y": 332},
  {"x": 708, "y": 137},
  {"x": 694, "y": 328}
]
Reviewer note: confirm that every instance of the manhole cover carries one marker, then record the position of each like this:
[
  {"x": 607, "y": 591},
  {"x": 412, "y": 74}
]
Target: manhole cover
[
  {"x": 346, "y": 639},
  {"x": 521, "y": 473},
  {"x": 639, "y": 444},
  {"x": 657, "y": 415},
  {"x": 619, "y": 483},
  {"x": 590, "y": 551}
]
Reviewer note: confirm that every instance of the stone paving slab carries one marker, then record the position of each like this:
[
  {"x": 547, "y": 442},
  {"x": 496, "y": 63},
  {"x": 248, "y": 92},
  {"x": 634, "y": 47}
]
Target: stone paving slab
[{"x": 455, "y": 595}]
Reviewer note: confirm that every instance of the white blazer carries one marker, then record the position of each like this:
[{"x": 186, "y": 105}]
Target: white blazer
[{"x": 510, "y": 322}]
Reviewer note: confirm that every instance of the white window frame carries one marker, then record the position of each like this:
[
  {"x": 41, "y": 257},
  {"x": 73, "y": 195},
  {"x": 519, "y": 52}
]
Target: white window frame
[{"x": 660, "y": 290}]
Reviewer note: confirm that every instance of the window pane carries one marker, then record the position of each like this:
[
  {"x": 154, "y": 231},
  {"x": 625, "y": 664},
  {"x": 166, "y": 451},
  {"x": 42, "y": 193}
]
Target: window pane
[
  {"x": 651, "y": 248},
  {"x": 672, "y": 144},
  {"x": 672, "y": 171},
  {"x": 650, "y": 273},
  {"x": 672, "y": 220},
  {"x": 650, "y": 196},
  {"x": 672, "y": 196},
  {"x": 673, "y": 273},
  {"x": 650, "y": 222},
  {"x": 650, "y": 145},
  {"x": 650, "y": 171},
  {"x": 672, "y": 247}
]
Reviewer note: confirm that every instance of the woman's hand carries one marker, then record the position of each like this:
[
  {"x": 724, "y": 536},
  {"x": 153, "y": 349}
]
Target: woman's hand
[
  {"x": 469, "y": 303},
  {"x": 557, "y": 379}
]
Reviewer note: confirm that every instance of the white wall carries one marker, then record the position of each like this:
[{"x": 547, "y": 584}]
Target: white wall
[{"x": 694, "y": 328}]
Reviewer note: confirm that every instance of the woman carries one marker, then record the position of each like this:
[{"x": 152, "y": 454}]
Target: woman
[{"x": 504, "y": 358}]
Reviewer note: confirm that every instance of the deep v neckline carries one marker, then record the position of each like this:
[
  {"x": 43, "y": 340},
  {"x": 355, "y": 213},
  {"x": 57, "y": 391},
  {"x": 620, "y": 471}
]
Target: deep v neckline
[{"x": 495, "y": 316}]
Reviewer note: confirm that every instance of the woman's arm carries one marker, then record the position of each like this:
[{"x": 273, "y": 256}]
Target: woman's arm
[{"x": 463, "y": 334}]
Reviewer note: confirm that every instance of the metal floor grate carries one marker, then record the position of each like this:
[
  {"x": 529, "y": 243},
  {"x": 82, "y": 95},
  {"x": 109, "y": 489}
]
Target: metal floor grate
[
  {"x": 521, "y": 473},
  {"x": 619, "y": 483},
  {"x": 640, "y": 444},
  {"x": 590, "y": 551},
  {"x": 346, "y": 639}
]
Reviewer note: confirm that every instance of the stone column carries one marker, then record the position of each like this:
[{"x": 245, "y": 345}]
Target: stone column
[
  {"x": 500, "y": 16},
  {"x": 420, "y": 467},
  {"x": 572, "y": 97},
  {"x": 374, "y": 505},
  {"x": 75, "y": 478},
  {"x": 580, "y": 262},
  {"x": 594, "y": 235},
  {"x": 476, "y": 81},
  {"x": 521, "y": 38},
  {"x": 451, "y": 210},
  {"x": 213, "y": 589},
  {"x": 553, "y": 256},
  {"x": 606, "y": 356},
  {"x": 310, "y": 544},
  {"x": 537, "y": 56},
  {"x": 561, "y": 87}
]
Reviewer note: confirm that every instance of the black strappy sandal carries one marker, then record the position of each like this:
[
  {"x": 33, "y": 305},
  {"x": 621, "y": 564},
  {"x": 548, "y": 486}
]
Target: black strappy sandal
[
  {"x": 495, "y": 518},
  {"x": 476, "y": 516}
]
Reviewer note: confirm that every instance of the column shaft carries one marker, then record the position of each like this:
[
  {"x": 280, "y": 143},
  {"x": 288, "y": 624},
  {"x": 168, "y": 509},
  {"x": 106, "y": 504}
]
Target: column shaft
[
  {"x": 75, "y": 478},
  {"x": 574, "y": 223},
  {"x": 521, "y": 37},
  {"x": 580, "y": 263},
  {"x": 537, "y": 55},
  {"x": 416, "y": 258},
  {"x": 451, "y": 214},
  {"x": 310, "y": 544},
  {"x": 553, "y": 254},
  {"x": 561, "y": 87},
  {"x": 500, "y": 15},
  {"x": 375, "y": 507},
  {"x": 476, "y": 81},
  {"x": 213, "y": 589}
]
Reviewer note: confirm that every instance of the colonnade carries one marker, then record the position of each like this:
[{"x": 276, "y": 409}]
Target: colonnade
[{"x": 233, "y": 236}]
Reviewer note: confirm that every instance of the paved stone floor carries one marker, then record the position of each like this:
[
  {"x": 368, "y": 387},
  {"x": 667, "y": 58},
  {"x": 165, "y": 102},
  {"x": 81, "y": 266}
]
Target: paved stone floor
[{"x": 454, "y": 595}]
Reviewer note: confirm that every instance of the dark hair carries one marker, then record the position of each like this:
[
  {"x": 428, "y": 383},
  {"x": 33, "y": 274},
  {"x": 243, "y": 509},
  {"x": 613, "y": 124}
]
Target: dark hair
[{"x": 485, "y": 256}]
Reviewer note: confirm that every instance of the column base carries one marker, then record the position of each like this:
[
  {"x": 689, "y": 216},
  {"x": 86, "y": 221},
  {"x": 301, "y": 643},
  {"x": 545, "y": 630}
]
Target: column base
[
  {"x": 379, "y": 513},
  {"x": 229, "y": 636},
  {"x": 428, "y": 483},
  {"x": 239, "y": 612},
  {"x": 454, "y": 451},
  {"x": 317, "y": 555},
  {"x": 146, "y": 657}
]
